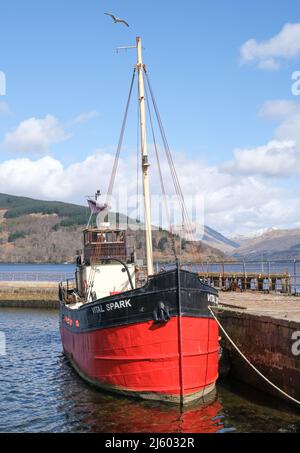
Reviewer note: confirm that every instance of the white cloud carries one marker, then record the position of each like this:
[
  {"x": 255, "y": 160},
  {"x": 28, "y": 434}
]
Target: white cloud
[
  {"x": 269, "y": 64},
  {"x": 4, "y": 108},
  {"x": 84, "y": 117},
  {"x": 270, "y": 53},
  {"x": 288, "y": 112},
  {"x": 233, "y": 203},
  {"x": 279, "y": 109},
  {"x": 290, "y": 129},
  {"x": 35, "y": 135},
  {"x": 280, "y": 157},
  {"x": 47, "y": 178},
  {"x": 26, "y": 176},
  {"x": 276, "y": 158}
]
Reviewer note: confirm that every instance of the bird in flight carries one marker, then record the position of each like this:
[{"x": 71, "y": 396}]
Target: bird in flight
[{"x": 117, "y": 19}]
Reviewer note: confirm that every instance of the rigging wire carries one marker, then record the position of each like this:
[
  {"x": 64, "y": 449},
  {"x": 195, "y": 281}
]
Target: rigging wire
[
  {"x": 115, "y": 166},
  {"x": 169, "y": 157},
  {"x": 160, "y": 174},
  {"x": 178, "y": 190},
  {"x": 111, "y": 182}
]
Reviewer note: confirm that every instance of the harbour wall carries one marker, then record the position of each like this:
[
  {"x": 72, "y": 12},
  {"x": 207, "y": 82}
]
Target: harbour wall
[
  {"x": 29, "y": 294},
  {"x": 269, "y": 343}
]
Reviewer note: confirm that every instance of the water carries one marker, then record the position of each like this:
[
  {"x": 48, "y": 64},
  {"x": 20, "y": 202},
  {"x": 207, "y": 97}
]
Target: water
[{"x": 39, "y": 392}]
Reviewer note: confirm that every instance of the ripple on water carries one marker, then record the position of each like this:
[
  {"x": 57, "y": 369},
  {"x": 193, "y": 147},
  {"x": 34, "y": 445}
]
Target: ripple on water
[{"x": 39, "y": 392}]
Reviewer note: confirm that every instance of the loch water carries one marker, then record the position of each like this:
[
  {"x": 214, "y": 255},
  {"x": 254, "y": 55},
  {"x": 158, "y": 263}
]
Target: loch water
[{"x": 40, "y": 392}]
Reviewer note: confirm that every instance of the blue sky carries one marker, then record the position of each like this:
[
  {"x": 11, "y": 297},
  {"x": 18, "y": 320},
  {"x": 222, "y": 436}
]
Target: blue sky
[{"x": 60, "y": 61}]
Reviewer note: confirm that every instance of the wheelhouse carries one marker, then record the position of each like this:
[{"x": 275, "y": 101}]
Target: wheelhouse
[{"x": 102, "y": 245}]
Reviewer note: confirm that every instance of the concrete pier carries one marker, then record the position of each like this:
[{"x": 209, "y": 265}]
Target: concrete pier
[
  {"x": 266, "y": 328},
  {"x": 29, "y": 294}
]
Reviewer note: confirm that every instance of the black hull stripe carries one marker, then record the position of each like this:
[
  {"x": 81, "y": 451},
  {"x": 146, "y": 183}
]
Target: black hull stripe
[{"x": 140, "y": 305}]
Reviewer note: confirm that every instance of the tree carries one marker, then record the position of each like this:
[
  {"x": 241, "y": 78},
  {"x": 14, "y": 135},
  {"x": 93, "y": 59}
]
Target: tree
[{"x": 163, "y": 244}]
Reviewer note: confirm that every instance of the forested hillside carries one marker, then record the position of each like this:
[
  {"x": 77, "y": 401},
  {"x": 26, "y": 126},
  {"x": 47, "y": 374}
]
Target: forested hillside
[{"x": 35, "y": 231}]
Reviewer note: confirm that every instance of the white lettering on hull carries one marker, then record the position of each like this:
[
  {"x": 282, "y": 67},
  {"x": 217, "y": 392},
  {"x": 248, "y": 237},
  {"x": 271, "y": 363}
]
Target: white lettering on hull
[
  {"x": 118, "y": 305},
  {"x": 212, "y": 299},
  {"x": 98, "y": 309},
  {"x": 112, "y": 306}
]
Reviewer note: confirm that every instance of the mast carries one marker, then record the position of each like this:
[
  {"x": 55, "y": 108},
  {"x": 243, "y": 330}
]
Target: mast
[{"x": 145, "y": 163}]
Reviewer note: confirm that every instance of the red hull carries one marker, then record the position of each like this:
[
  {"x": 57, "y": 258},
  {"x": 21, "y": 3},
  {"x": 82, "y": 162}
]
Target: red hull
[{"x": 149, "y": 360}]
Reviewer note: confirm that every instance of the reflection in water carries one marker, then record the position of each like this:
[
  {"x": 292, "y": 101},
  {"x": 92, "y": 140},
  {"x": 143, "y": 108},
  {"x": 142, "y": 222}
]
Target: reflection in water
[
  {"x": 101, "y": 412},
  {"x": 39, "y": 392}
]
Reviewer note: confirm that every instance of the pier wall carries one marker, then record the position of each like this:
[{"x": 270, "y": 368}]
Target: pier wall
[
  {"x": 29, "y": 295},
  {"x": 268, "y": 343}
]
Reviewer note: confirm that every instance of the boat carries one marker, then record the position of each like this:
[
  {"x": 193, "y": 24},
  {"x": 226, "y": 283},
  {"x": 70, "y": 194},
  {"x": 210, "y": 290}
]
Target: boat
[{"x": 130, "y": 330}]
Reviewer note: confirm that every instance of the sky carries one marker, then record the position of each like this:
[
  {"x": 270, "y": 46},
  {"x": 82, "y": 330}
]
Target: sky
[{"x": 226, "y": 76}]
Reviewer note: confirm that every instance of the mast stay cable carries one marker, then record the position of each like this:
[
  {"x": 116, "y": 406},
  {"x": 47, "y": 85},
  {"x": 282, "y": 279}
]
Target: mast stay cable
[
  {"x": 178, "y": 190},
  {"x": 160, "y": 174},
  {"x": 115, "y": 166},
  {"x": 111, "y": 183},
  {"x": 170, "y": 159}
]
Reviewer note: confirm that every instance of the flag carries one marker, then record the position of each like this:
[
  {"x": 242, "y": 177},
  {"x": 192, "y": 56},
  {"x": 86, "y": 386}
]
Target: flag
[{"x": 96, "y": 207}]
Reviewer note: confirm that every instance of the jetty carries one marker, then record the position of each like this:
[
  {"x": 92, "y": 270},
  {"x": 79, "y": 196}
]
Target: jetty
[
  {"x": 266, "y": 329},
  {"x": 29, "y": 294}
]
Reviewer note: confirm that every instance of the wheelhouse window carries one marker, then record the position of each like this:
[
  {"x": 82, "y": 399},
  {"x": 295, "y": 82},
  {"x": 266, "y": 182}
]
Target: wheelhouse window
[
  {"x": 94, "y": 237},
  {"x": 103, "y": 244}
]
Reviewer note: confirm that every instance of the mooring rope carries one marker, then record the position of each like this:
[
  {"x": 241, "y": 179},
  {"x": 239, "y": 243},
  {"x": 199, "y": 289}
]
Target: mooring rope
[{"x": 249, "y": 363}]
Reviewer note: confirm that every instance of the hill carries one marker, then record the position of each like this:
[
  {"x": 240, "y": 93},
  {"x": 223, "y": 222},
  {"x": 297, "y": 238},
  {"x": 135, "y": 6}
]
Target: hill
[
  {"x": 274, "y": 244},
  {"x": 36, "y": 231},
  {"x": 215, "y": 239}
]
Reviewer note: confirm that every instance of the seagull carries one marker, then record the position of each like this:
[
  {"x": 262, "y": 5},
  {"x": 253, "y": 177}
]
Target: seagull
[{"x": 117, "y": 19}]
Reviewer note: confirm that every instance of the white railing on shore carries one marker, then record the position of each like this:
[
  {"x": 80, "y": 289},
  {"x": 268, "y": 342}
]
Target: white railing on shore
[{"x": 35, "y": 276}]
